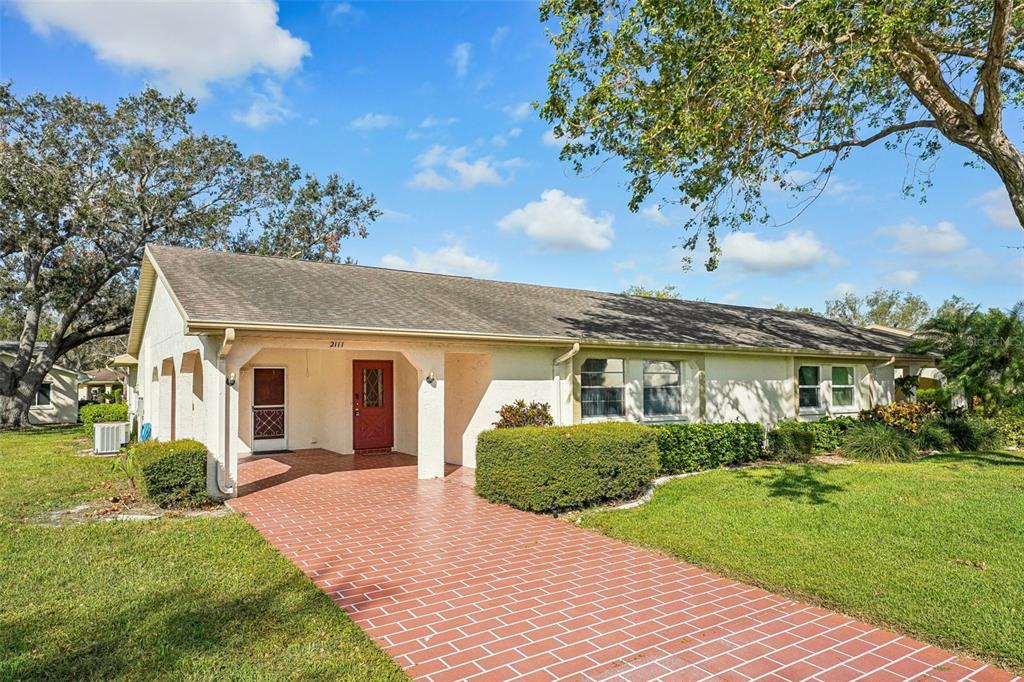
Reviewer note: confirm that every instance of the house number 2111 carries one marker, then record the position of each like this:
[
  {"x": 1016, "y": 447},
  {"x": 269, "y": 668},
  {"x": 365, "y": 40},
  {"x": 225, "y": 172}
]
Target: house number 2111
[{"x": 335, "y": 344}]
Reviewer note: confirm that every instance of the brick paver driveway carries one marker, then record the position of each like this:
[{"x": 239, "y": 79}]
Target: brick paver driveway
[{"x": 455, "y": 588}]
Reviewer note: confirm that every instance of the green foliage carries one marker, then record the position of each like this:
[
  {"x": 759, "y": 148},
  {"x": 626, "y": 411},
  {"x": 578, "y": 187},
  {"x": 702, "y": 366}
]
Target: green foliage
[
  {"x": 695, "y": 447},
  {"x": 1010, "y": 425},
  {"x": 876, "y": 442},
  {"x": 173, "y": 473},
  {"x": 514, "y": 415},
  {"x": 932, "y": 435},
  {"x": 551, "y": 469},
  {"x": 970, "y": 433},
  {"x": 85, "y": 187},
  {"x": 720, "y": 100},
  {"x": 102, "y": 413},
  {"x": 940, "y": 397},
  {"x": 886, "y": 307},
  {"x": 982, "y": 352},
  {"x": 905, "y": 416},
  {"x": 827, "y": 432},
  {"x": 788, "y": 444},
  {"x": 668, "y": 291}
]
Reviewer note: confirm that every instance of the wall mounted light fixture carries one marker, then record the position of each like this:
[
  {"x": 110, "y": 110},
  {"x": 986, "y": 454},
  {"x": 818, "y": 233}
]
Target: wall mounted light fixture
[{"x": 431, "y": 379}]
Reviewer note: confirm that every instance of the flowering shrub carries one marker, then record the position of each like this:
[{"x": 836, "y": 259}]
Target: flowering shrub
[
  {"x": 518, "y": 414},
  {"x": 906, "y": 416}
]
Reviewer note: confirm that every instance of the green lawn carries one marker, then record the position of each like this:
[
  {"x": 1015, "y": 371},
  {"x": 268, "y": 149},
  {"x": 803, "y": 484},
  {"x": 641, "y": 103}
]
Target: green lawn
[
  {"x": 934, "y": 548},
  {"x": 170, "y": 599}
]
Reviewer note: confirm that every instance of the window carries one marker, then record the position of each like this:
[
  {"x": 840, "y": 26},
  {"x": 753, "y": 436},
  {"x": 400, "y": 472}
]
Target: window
[
  {"x": 602, "y": 384},
  {"x": 662, "y": 388},
  {"x": 842, "y": 386},
  {"x": 810, "y": 387},
  {"x": 43, "y": 394}
]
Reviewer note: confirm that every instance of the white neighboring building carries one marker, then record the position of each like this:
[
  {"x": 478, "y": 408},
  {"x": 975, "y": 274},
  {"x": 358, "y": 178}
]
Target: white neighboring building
[
  {"x": 251, "y": 354},
  {"x": 56, "y": 401}
]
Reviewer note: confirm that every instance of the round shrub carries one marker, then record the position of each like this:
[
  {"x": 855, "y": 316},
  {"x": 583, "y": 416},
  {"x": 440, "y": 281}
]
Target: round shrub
[
  {"x": 696, "y": 447},
  {"x": 874, "y": 442},
  {"x": 790, "y": 444},
  {"x": 101, "y": 413},
  {"x": 173, "y": 473},
  {"x": 906, "y": 416},
  {"x": 514, "y": 415},
  {"x": 970, "y": 433},
  {"x": 932, "y": 435},
  {"x": 551, "y": 469}
]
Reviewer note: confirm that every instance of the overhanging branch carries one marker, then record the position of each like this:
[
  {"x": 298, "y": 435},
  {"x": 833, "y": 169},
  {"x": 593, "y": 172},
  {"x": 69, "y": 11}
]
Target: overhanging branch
[{"x": 865, "y": 142}]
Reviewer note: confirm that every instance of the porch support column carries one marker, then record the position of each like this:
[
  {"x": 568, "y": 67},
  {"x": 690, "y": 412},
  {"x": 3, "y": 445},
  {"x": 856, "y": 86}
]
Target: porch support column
[{"x": 429, "y": 364}]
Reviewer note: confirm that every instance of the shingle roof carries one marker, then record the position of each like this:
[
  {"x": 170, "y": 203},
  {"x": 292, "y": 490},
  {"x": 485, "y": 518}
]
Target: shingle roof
[{"x": 214, "y": 286}]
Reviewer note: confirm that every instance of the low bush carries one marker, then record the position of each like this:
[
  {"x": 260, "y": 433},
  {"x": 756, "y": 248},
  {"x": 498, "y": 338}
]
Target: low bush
[
  {"x": 1010, "y": 425},
  {"x": 932, "y": 435},
  {"x": 173, "y": 473},
  {"x": 97, "y": 413},
  {"x": 789, "y": 444},
  {"x": 827, "y": 432},
  {"x": 551, "y": 469},
  {"x": 971, "y": 433},
  {"x": 876, "y": 442},
  {"x": 941, "y": 398},
  {"x": 518, "y": 414},
  {"x": 906, "y": 416},
  {"x": 695, "y": 447}
]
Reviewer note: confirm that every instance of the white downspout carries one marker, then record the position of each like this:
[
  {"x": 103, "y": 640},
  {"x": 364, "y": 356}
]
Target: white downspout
[
  {"x": 229, "y": 339},
  {"x": 556, "y": 376}
]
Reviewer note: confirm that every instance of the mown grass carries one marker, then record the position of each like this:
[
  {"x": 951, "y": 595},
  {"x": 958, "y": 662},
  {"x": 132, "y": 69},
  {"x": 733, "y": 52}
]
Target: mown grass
[
  {"x": 934, "y": 548},
  {"x": 197, "y": 598}
]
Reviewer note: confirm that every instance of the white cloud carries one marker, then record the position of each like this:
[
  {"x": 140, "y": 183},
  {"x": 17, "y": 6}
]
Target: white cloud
[
  {"x": 444, "y": 168},
  {"x": 396, "y": 216},
  {"x": 517, "y": 112},
  {"x": 267, "y": 108},
  {"x": 843, "y": 288},
  {"x": 915, "y": 238},
  {"x": 371, "y": 121},
  {"x": 903, "y": 278},
  {"x": 622, "y": 265},
  {"x": 502, "y": 139},
  {"x": 434, "y": 122},
  {"x": 498, "y": 37},
  {"x": 186, "y": 44},
  {"x": 340, "y": 9},
  {"x": 561, "y": 223},
  {"x": 551, "y": 140},
  {"x": 447, "y": 260},
  {"x": 795, "y": 251},
  {"x": 996, "y": 205},
  {"x": 653, "y": 213},
  {"x": 460, "y": 59}
]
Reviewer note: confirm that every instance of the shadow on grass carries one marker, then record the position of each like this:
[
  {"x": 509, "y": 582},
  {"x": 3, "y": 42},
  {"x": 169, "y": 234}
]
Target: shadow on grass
[
  {"x": 980, "y": 458},
  {"x": 170, "y": 633},
  {"x": 804, "y": 483}
]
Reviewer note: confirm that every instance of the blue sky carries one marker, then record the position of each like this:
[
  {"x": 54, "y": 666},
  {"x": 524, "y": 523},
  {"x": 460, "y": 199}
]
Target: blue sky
[{"x": 427, "y": 106}]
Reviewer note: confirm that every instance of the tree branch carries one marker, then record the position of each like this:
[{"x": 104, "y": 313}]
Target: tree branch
[
  {"x": 990, "y": 75},
  {"x": 1007, "y": 62},
  {"x": 847, "y": 144}
]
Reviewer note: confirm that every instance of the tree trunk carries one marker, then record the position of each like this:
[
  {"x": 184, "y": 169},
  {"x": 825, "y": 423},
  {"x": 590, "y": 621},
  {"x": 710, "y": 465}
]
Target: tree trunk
[
  {"x": 1008, "y": 163},
  {"x": 13, "y": 412}
]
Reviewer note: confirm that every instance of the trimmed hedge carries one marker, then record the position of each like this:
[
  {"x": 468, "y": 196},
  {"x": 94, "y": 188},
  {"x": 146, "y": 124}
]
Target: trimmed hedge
[
  {"x": 173, "y": 473},
  {"x": 556, "y": 468},
  {"x": 788, "y": 443},
  {"x": 97, "y": 413},
  {"x": 1010, "y": 425},
  {"x": 827, "y": 432},
  {"x": 696, "y": 447}
]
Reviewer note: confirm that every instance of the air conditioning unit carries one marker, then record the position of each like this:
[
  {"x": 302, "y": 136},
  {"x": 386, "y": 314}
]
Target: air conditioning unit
[{"x": 108, "y": 437}]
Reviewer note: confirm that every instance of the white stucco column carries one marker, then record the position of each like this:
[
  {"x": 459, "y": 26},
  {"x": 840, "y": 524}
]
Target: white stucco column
[{"x": 429, "y": 364}]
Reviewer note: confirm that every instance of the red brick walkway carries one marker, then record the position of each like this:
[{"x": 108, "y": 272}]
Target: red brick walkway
[{"x": 455, "y": 588}]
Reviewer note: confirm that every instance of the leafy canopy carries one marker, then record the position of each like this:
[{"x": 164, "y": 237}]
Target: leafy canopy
[{"x": 711, "y": 102}]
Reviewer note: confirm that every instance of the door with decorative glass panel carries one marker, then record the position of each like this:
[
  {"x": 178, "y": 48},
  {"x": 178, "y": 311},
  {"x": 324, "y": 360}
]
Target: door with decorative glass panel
[
  {"x": 269, "y": 417},
  {"x": 373, "y": 414}
]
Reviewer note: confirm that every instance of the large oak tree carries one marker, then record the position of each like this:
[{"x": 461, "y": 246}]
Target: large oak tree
[
  {"x": 717, "y": 99},
  {"x": 84, "y": 188}
]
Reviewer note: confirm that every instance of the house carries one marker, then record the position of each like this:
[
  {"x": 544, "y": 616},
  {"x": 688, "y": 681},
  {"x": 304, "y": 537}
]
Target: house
[
  {"x": 97, "y": 382},
  {"x": 253, "y": 354},
  {"x": 56, "y": 401}
]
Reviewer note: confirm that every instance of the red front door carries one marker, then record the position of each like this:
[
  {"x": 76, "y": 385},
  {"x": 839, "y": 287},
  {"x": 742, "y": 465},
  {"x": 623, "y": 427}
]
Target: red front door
[{"x": 373, "y": 413}]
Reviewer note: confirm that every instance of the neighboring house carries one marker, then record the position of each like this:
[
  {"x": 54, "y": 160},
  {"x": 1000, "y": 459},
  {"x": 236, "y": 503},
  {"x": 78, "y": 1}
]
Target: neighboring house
[
  {"x": 56, "y": 401},
  {"x": 96, "y": 382},
  {"x": 251, "y": 354}
]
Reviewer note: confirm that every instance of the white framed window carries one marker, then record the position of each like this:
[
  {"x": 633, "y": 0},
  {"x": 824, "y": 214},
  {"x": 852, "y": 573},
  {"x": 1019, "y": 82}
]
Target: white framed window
[
  {"x": 43, "y": 395},
  {"x": 602, "y": 382},
  {"x": 809, "y": 379},
  {"x": 843, "y": 393},
  {"x": 663, "y": 388}
]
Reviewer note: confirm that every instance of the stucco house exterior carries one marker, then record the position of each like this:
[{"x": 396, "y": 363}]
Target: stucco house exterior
[
  {"x": 56, "y": 401},
  {"x": 97, "y": 382},
  {"x": 252, "y": 354}
]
